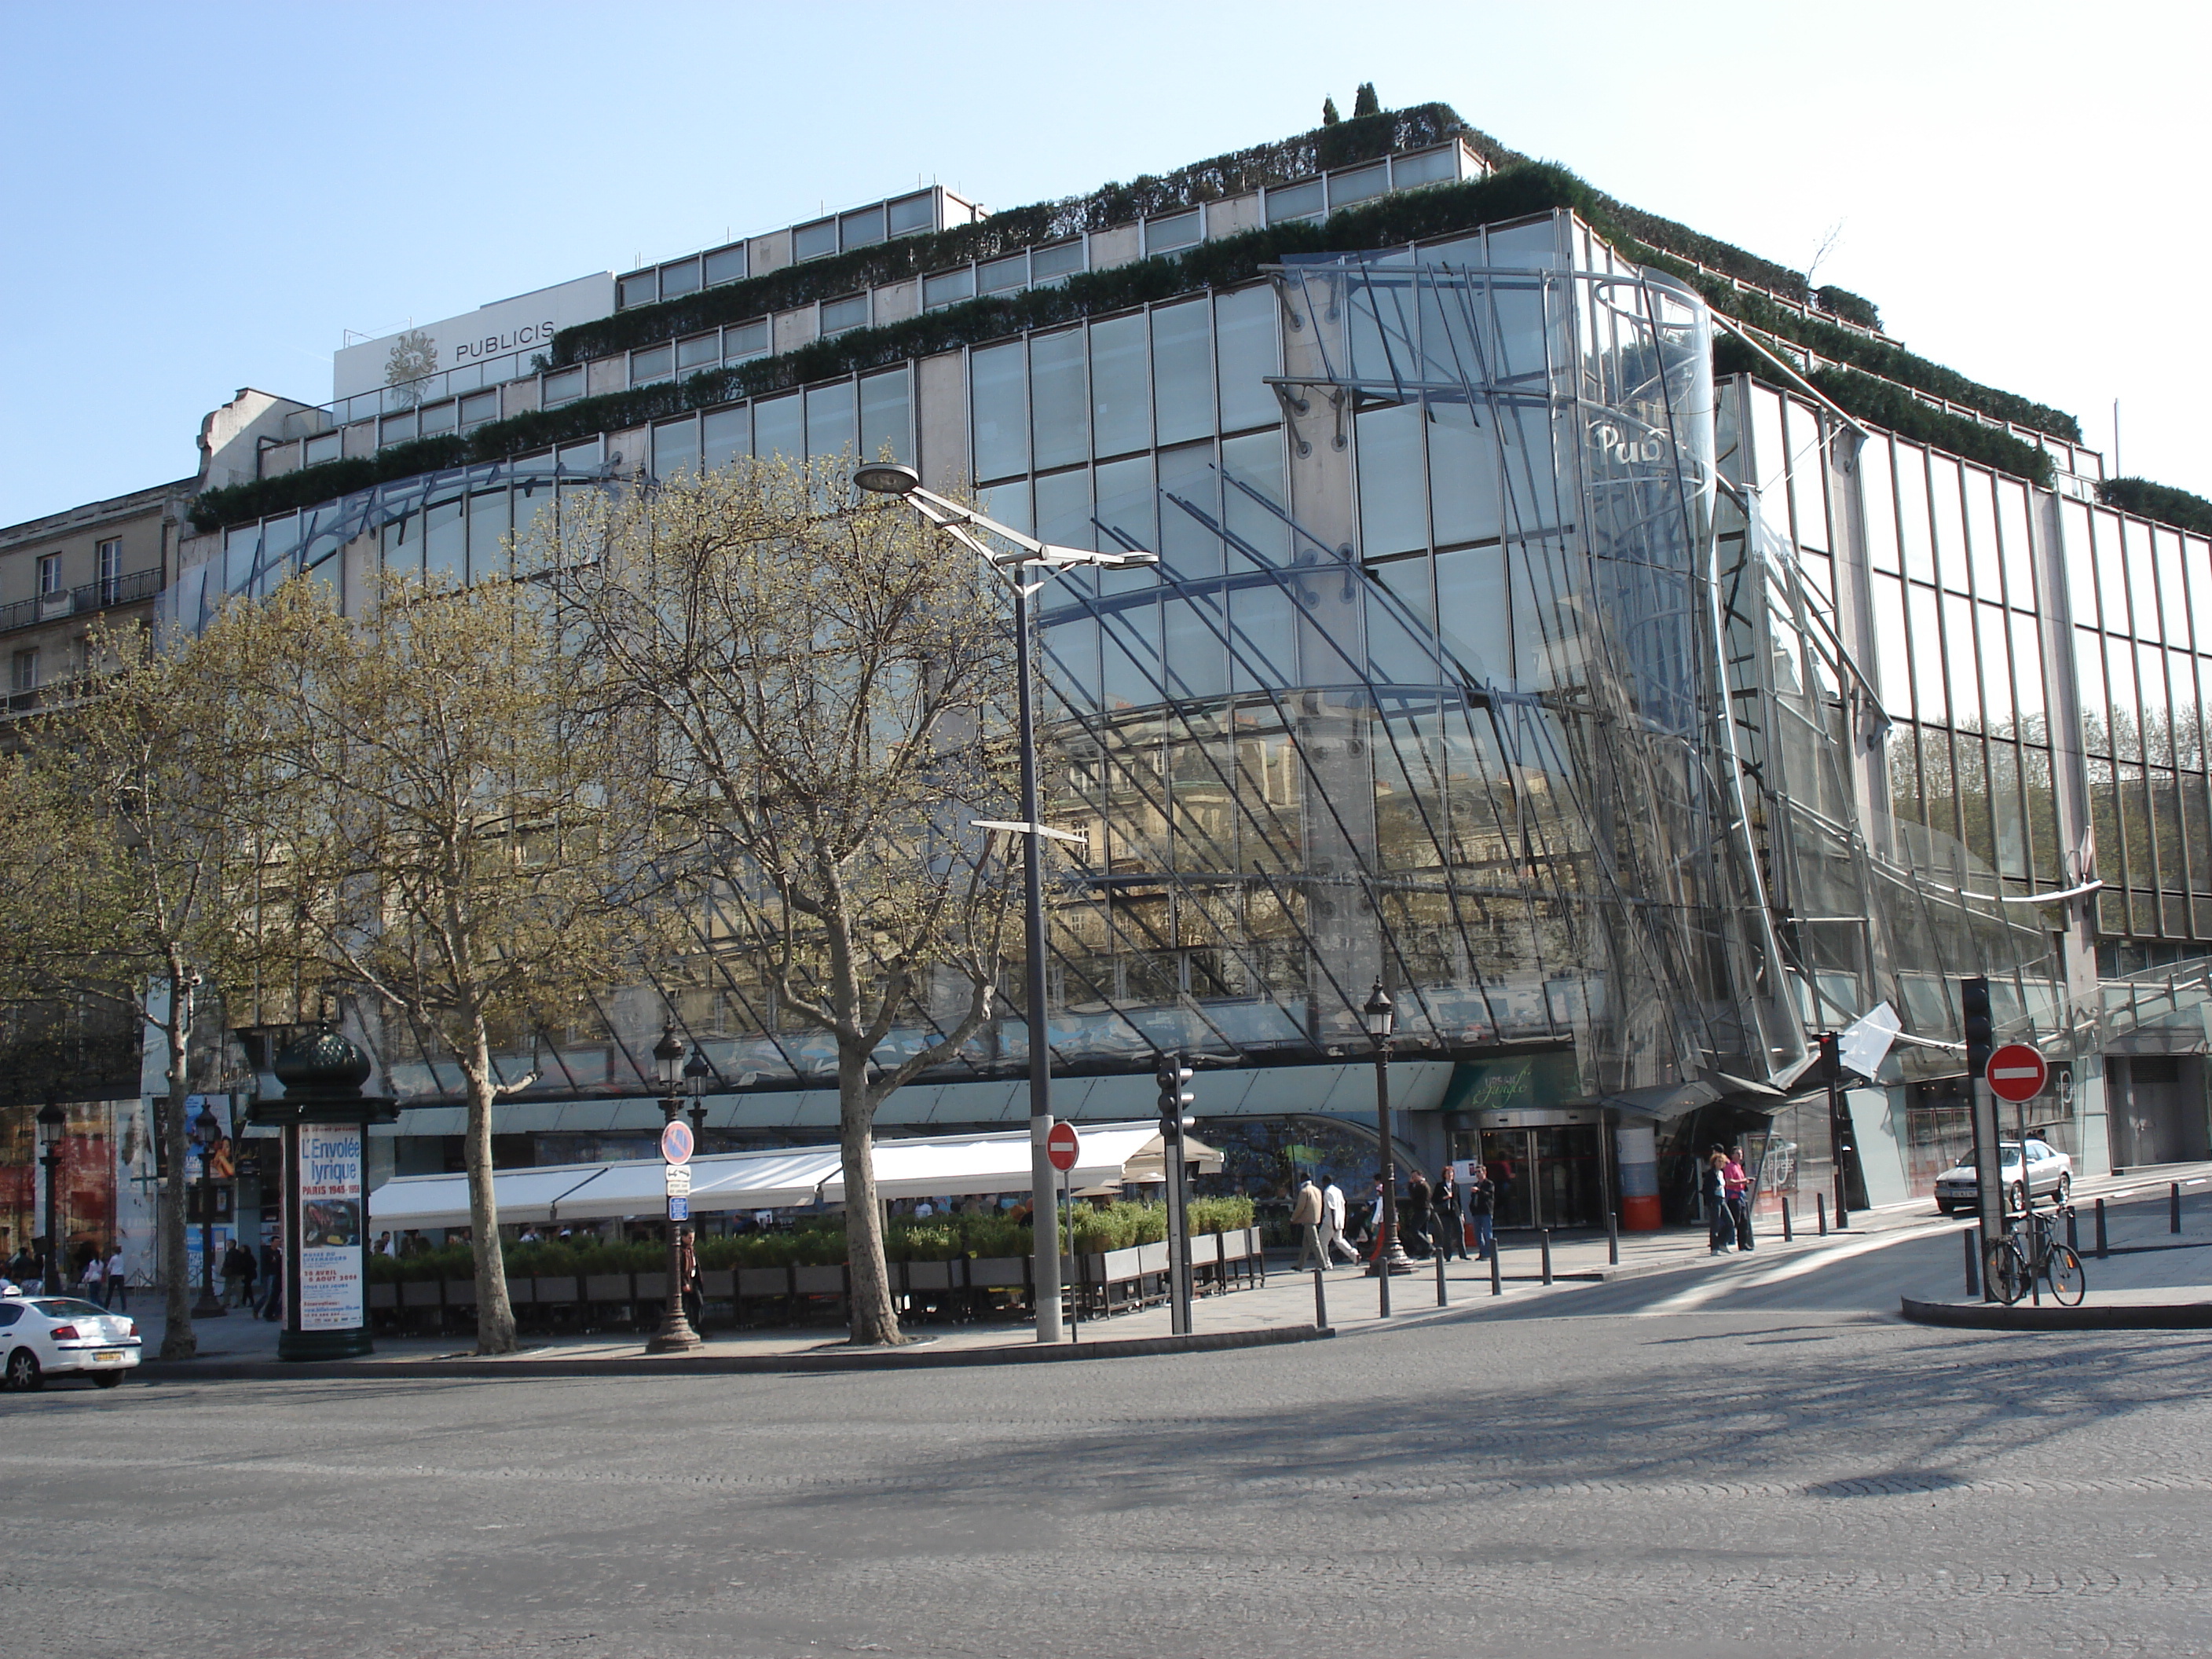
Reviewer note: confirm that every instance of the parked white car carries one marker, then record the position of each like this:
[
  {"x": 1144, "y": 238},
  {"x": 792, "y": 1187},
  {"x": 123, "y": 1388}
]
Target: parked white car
[
  {"x": 45, "y": 1335},
  {"x": 2050, "y": 1174}
]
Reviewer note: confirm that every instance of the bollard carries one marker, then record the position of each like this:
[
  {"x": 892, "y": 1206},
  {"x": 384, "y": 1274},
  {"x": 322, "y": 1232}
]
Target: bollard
[
  {"x": 1821, "y": 1209},
  {"x": 1547, "y": 1255},
  {"x": 1320, "y": 1300},
  {"x": 1443, "y": 1301},
  {"x": 2102, "y": 1251},
  {"x": 2073, "y": 1231},
  {"x": 2173, "y": 1209},
  {"x": 1973, "y": 1281},
  {"x": 1787, "y": 1235},
  {"x": 1842, "y": 1208},
  {"x": 1611, "y": 1239},
  {"x": 1497, "y": 1273}
]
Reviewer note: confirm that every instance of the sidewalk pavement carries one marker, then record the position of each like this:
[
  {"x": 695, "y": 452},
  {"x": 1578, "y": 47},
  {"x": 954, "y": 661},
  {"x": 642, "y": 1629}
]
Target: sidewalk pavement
[{"x": 1284, "y": 1310}]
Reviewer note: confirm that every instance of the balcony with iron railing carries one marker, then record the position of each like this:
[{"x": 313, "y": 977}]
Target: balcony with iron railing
[{"x": 63, "y": 603}]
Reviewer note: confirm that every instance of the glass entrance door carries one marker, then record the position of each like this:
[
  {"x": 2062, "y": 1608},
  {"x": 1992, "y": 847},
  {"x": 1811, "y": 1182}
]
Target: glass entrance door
[{"x": 1547, "y": 1177}]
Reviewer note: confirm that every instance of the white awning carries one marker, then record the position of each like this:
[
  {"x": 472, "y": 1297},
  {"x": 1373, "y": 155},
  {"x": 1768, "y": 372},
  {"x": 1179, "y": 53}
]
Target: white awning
[{"x": 946, "y": 1166}]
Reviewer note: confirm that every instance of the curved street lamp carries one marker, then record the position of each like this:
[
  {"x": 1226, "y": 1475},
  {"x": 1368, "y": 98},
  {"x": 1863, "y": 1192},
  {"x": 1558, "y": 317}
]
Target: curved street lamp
[
  {"x": 675, "y": 1334},
  {"x": 961, "y": 523},
  {"x": 207, "y": 1129}
]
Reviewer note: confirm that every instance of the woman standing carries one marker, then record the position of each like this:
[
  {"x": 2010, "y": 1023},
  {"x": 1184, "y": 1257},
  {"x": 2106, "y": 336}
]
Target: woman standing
[
  {"x": 1481, "y": 1200},
  {"x": 1414, "y": 1215},
  {"x": 1450, "y": 1229},
  {"x": 1737, "y": 1181},
  {"x": 1713, "y": 1190}
]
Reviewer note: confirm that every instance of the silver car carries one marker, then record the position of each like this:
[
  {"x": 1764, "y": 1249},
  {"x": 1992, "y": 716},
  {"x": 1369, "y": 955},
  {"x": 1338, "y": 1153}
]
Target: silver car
[
  {"x": 43, "y": 1335},
  {"x": 2050, "y": 1174}
]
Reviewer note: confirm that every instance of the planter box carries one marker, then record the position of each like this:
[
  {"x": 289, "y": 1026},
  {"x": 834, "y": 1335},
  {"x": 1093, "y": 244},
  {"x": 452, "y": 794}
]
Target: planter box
[
  {"x": 606, "y": 1287},
  {"x": 935, "y": 1275},
  {"x": 1236, "y": 1246},
  {"x": 763, "y": 1281},
  {"x": 1115, "y": 1267},
  {"x": 555, "y": 1290},
  {"x": 718, "y": 1284},
  {"x": 460, "y": 1293},
  {"x": 384, "y": 1296},
  {"x": 1152, "y": 1258},
  {"x": 651, "y": 1287},
  {"x": 999, "y": 1272},
  {"x": 419, "y": 1293},
  {"x": 818, "y": 1281}
]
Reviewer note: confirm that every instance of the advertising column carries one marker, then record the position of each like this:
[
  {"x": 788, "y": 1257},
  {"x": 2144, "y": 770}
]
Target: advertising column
[{"x": 328, "y": 1230}]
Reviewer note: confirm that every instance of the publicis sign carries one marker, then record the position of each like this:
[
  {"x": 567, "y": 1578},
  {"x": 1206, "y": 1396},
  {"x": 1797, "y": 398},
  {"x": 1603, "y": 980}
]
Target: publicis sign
[
  {"x": 524, "y": 325},
  {"x": 327, "y": 1234}
]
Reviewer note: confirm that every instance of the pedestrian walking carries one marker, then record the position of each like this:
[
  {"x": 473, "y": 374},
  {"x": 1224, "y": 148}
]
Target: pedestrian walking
[
  {"x": 1332, "y": 1226},
  {"x": 237, "y": 1276},
  {"x": 1306, "y": 1215},
  {"x": 1413, "y": 1216},
  {"x": 1712, "y": 1192},
  {"x": 1448, "y": 1219},
  {"x": 1481, "y": 1201},
  {"x": 1737, "y": 1181},
  {"x": 91, "y": 1277},
  {"x": 272, "y": 1282},
  {"x": 115, "y": 1285}
]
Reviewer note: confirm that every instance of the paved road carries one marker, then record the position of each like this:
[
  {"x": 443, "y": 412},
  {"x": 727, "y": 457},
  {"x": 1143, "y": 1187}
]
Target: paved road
[{"x": 1755, "y": 1460}]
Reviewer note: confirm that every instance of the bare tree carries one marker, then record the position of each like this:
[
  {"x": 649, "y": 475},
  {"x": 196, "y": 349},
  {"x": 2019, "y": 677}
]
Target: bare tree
[
  {"x": 119, "y": 861},
  {"x": 464, "y": 831},
  {"x": 825, "y": 674}
]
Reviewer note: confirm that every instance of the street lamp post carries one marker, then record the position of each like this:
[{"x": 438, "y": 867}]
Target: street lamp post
[
  {"x": 52, "y": 1121},
  {"x": 1390, "y": 1255},
  {"x": 675, "y": 1334},
  {"x": 889, "y": 478},
  {"x": 207, "y": 1129},
  {"x": 697, "y": 1071}
]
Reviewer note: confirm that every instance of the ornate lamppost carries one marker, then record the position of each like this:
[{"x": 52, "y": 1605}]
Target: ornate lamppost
[
  {"x": 675, "y": 1334},
  {"x": 207, "y": 1130},
  {"x": 1390, "y": 1255}
]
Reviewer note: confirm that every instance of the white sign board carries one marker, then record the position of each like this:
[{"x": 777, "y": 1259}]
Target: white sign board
[
  {"x": 525, "y": 324},
  {"x": 678, "y": 1179},
  {"x": 327, "y": 1229}
]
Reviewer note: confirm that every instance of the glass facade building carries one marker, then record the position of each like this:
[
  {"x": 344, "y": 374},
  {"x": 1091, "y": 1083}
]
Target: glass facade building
[{"x": 1632, "y": 726}]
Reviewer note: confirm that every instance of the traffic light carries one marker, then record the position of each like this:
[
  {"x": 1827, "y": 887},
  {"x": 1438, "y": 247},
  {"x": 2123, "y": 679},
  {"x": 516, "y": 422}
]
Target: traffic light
[
  {"x": 1832, "y": 1059},
  {"x": 1174, "y": 1078},
  {"x": 1980, "y": 1027}
]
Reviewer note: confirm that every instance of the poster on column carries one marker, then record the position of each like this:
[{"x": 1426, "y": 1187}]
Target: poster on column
[{"x": 328, "y": 1238}]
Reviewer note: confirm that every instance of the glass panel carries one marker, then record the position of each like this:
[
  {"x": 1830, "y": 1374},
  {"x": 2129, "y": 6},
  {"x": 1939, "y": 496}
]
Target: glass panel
[
  {"x": 2157, "y": 715},
  {"x": 1994, "y": 638},
  {"x": 1894, "y": 660},
  {"x": 679, "y": 278},
  {"x": 1982, "y": 535},
  {"x": 323, "y": 446},
  {"x": 2142, "y": 580},
  {"x": 1474, "y": 611},
  {"x": 477, "y": 408},
  {"x": 2127, "y": 709},
  {"x": 1959, "y": 646},
  {"x": 2109, "y": 561},
  {"x": 814, "y": 241},
  {"x": 1003, "y": 275},
  {"x": 999, "y": 393},
  {"x": 1244, "y": 346},
  {"x": 1464, "y": 483},
  {"x": 910, "y": 214},
  {"x": 1926, "y": 612},
  {"x": 725, "y": 265},
  {"x": 675, "y": 445},
  {"x": 1254, "y": 463},
  {"x": 1175, "y": 231},
  {"x": 656, "y": 364},
  {"x": 948, "y": 287},
  {"x": 398, "y": 429},
  {"x": 1063, "y": 511},
  {"x": 779, "y": 427},
  {"x": 1059, "y": 406},
  {"x": 839, "y": 316},
  {"x": 1912, "y": 530},
  {"x": 642, "y": 290},
  {"x": 1296, "y": 201},
  {"x": 699, "y": 351},
  {"x": 2196, "y": 557},
  {"x": 488, "y": 528},
  {"x": 1876, "y": 492},
  {"x": 2016, "y": 548},
  {"x": 2077, "y": 558},
  {"x": 440, "y": 419},
  {"x": 1186, "y": 546},
  {"x": 1126, "y": 501},
  {"x": 862, "y": 228},
  {"x": 829, "y": 420},
  {"x": 565, "y": 387},
  {"x": 1183, "y": 371},
  {"x": 2188, "y": 712},
  {"x": 1344, "y": 188},
  {"x": 2173, "y": 606},
  {"x": 2028, "y": 675},
  {"x": 1770, "y": 452},
  {"x": 886, "y": 425},
  {"x": 1058, "y": 260},
  {"x": 1950, "y": 521},
  {"x": 2096, "y": 707},
  {"x": 1121, "y": 397},
  {"x": 1009, "y": 503},
  {"x": 1392, "y": 493},
  {"x": 1429, "y": 167},
  {"x": 726, "y": 433},
  {"x": 744, "y": 340},
  {"x": 445, "y": 539},
  {"x": 1808, "y": 474}
]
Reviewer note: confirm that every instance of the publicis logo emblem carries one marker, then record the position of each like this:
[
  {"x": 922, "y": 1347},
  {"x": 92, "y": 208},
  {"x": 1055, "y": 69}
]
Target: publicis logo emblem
[{"x": 414, "y": 360}]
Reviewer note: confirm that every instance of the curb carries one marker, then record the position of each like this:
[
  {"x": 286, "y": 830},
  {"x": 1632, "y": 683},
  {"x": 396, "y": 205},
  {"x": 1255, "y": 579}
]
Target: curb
[
  {"x": 1996, "y": 1316},
  {"x": 916, "y": 1359}
]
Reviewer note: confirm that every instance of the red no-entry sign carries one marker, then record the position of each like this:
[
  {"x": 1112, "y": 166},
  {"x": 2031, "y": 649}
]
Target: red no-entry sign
[
  {"x": 2017, "y": 1072},
  {"x": 1063, "y": 1146}
]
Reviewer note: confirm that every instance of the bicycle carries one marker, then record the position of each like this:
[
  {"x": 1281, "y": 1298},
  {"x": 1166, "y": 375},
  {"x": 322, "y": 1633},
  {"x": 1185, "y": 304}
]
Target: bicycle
[{"x": 2031, "y": 1250}]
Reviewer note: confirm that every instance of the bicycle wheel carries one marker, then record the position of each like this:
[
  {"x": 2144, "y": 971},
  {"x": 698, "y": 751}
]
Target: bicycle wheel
[
  {"x": 2006, "y": 1271},
  {"x": 2063, "y": 1267}
]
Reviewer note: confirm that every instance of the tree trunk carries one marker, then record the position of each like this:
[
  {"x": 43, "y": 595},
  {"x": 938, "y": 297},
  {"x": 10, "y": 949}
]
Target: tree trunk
[
  {"x": 875, "y": 1320},
  {"x": 494, "y": 1313},
  {"x": 171, "y": 1260}
]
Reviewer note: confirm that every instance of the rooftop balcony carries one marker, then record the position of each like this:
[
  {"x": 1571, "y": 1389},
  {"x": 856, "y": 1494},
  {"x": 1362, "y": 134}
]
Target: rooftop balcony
[{"x": 133, "y": 589}]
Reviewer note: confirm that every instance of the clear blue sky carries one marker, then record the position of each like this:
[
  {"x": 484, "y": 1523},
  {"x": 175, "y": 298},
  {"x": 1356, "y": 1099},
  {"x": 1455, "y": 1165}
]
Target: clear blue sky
[{"x": 202, "y": 197}]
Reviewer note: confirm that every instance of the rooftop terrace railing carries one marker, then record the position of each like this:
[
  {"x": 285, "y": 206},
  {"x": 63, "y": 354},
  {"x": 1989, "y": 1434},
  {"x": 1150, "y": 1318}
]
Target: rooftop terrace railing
[{"x": 76, "y": 601}]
